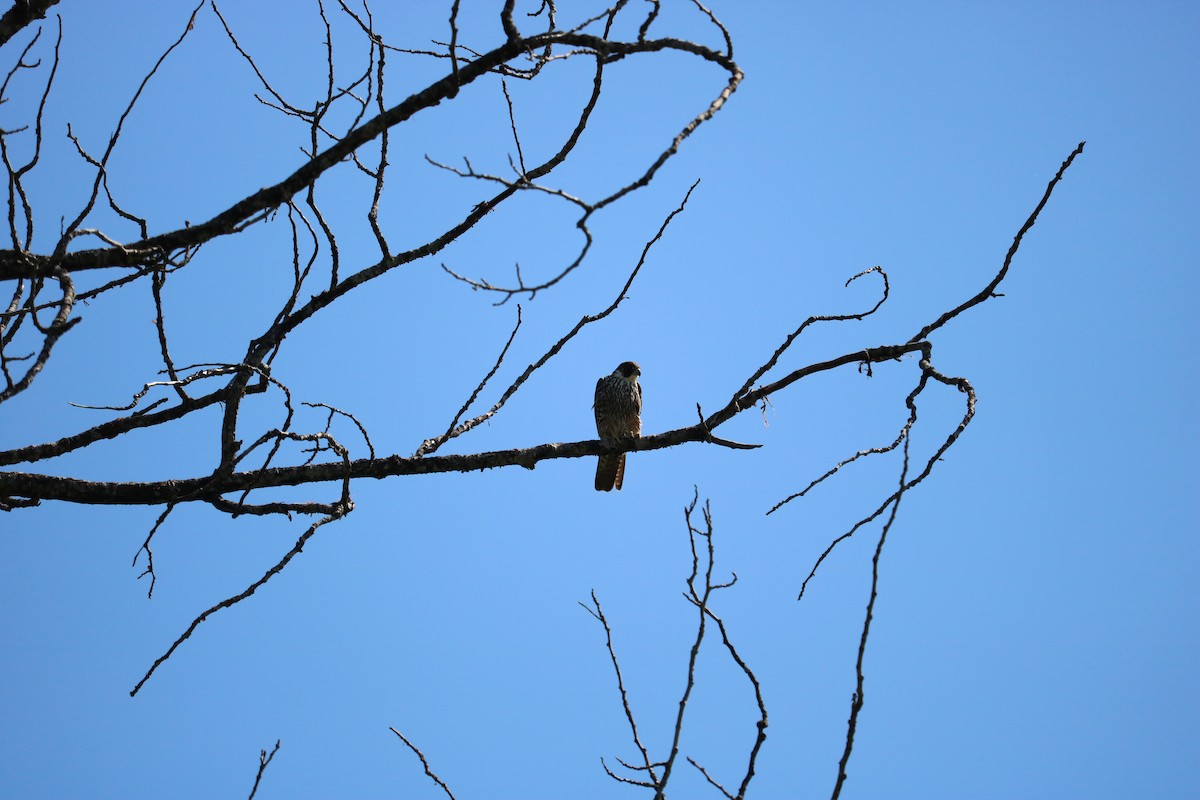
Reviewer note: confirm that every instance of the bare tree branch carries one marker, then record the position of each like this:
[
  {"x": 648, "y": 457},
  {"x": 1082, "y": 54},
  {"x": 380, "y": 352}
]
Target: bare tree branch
[
  {"x": 332, "y": 512},
  {"x": 22, "y": 13},
  {"x": 264, "y": 758},
  {"x": 431, "y": 445},
  {"x": 145, "y": 548},
  {"x": 927, "y": 372},
  {"x": 597, "y": 611},
  {"x": 342, "y": 123},
  {"x": 989, "y": 291},
  {"x": 424, "y": 763},
  {"x": 15, "y": 265},
  {"x": 700, "y": 588},
  {"x": 51, "y": 487},
  {"x": 856, "y": 700}
]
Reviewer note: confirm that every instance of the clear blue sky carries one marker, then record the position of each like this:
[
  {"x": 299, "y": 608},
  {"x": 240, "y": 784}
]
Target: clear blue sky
[{"x": 1035, "y": 634}]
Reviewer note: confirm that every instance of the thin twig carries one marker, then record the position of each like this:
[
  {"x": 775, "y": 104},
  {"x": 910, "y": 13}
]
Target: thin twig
[
  {"x": 264, "y": 758},
  {"x": 424, "y": 763},
  {"x": 432, "y": 445},
  {"x": 989, "y": 291},
  {"x": 598, "y": 612},
  {"x": 856, "y": 701}
]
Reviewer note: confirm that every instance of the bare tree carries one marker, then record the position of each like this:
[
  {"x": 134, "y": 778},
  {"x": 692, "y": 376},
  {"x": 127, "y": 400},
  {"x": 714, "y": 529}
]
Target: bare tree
[{"x": 351, "y": 128}]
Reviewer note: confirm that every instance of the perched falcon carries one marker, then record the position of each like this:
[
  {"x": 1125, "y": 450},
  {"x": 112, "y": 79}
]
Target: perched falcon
[{"x": 618, "y": 409}]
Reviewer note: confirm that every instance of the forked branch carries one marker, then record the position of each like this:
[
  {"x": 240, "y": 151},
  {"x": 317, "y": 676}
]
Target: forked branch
[{"x": 700, "y": 589}]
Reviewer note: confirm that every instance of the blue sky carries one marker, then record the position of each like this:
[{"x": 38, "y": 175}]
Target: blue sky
[{"x": 1035, "y": 633}]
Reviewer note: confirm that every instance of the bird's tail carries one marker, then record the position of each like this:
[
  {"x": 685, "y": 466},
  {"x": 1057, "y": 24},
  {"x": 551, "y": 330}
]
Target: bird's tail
[{"x": 610, "y": 473}]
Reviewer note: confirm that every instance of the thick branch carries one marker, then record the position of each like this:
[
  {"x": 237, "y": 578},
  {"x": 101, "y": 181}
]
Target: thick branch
[
  {"x": 15, "y": 264},
  {"x": 115, "y": 428},
  {"x": 21, "y": 14},
  {"x": 48, "y": 487}
]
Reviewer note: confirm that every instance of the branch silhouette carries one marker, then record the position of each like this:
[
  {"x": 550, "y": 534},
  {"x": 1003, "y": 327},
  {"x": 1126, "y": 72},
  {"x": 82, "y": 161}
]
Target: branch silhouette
[{"x": 348, "y": 125}]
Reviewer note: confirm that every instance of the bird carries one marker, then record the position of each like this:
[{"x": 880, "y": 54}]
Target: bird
[{"x": 618, "y": 408}]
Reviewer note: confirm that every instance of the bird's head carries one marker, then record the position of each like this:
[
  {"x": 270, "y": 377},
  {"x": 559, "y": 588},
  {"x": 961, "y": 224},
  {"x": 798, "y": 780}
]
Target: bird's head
[{"x": 629, "y": 371}]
